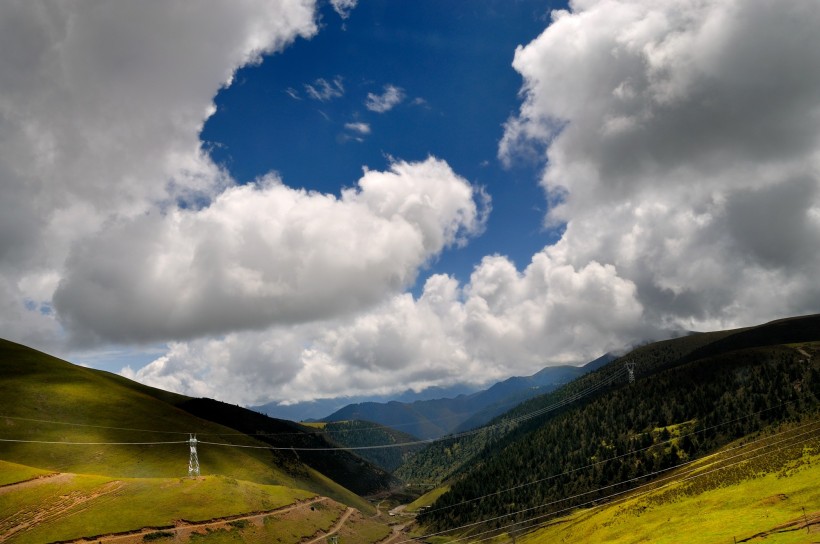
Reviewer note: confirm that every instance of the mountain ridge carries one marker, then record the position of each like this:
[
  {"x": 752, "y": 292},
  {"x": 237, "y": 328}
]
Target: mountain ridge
[
  {"x": 435, "y": 418},
  {"x": 690, "y": 396}
]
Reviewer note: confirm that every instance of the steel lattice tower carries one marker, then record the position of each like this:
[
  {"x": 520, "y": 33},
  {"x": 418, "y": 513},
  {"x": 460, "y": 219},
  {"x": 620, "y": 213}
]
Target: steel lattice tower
[
  {"x": 193, "y": 460},
  {"x": 630, "y": 367}
]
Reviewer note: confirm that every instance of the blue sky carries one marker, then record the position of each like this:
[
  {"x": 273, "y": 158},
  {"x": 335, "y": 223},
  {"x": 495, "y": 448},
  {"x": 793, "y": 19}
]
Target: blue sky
[
  {"x": 285, "y": 201},
  {"x": 452, "y": 65}
]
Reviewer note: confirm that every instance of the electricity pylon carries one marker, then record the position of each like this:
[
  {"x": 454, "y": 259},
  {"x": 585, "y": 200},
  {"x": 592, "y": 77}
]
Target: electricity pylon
[
  {"x": 630, "y": 367},
  {"x": 193, "y": 460}
]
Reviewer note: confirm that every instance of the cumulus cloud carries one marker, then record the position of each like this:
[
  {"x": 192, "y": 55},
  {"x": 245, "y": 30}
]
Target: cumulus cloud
[
  {"x": 324, "y": 90},
  {"x": 98, "y": 123},
  {"x": 502, "y": 322},
  {"x": 681, "y": 141},
  {"x": 264, "y": 254},
  {"x": 381, "y": 103}
]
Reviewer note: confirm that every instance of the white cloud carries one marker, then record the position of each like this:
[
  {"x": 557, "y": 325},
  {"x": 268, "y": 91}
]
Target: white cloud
[
  {"x": 98, "y": 123},
  {"x": 503, "y": 322},
  {"x": 381, "y": 103},
  {"x": 682, "y": 144},
  {"x": 264, "y": 254},
  {"x": 324, "y": 90},
  {"x": 343, "y": 7},
  {"x": 361, "y": 128}
]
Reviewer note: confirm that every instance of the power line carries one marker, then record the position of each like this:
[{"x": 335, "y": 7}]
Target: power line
[
  {"x": 503, "y": 423},
  {"x": 91, "y": 443},
  {"x": 641, "y": 494},
  {"x": 473, "y": 524},
  {"x": 89, "y": 425},
  {"x": 566, "y": 473}
]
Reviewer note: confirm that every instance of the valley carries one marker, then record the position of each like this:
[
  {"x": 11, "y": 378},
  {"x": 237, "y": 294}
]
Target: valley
[{"x": 717, "y": 437}]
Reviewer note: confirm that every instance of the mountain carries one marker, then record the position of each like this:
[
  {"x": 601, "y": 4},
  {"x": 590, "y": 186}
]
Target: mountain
[
  {"x": 429, "y": 419},
  {"x": 514, "y": 391},
  {"x": 601, "y": 434},
  {"x": 315, "y": 410},
  {"x": 365, "y": 435}
]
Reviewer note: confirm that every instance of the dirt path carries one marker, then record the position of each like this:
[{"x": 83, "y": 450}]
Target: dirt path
[
  {"x": 398, "y": 531},
  {"x": 57, "y": 477},
  {"x": 52, "y": 510},
  {"x": 334, "y": 529},
  {"x": 810, "y": 523},
  {"x": 184, "y": 529}
]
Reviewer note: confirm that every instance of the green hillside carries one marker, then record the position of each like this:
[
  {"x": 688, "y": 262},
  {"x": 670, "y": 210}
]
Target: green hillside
[
  {"x": 120, "y": 428},
  {"x": 692, "y": 396},
  {"x": 761, "y": 489},
  {"x": 364, "y": 434}
]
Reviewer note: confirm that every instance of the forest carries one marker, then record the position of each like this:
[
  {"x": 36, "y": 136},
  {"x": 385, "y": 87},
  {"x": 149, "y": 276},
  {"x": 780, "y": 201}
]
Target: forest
[{"x": 691, "y": 396}]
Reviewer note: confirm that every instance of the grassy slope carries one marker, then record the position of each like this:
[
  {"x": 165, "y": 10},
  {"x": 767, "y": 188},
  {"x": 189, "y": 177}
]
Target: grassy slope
[
  {"x": 282, "y": 530},
  {"x": 737, "y": 502},
  {"x": 13, "y": 472},
  {"x": 37, "y": 386},
  {"x": 427, "y": 499},
  {"x": 93, "y": 505}
]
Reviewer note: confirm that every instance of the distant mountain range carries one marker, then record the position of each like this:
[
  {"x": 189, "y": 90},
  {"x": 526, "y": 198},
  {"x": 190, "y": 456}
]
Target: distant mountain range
[
  {"x": 316, "y": 410},
  {"x": 434, "y": 418}
]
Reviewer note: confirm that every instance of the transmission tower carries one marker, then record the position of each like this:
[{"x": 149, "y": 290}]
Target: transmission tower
[
  {"x": 193, "y": 460},
  {"x": 630, "y": 367}
]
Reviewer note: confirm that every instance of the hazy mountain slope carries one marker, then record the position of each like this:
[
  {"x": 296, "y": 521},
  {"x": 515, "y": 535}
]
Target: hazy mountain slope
[
  {"x": 314, "y": 410},
  {"x": 438, "y": 417},
  {"x": 682, "y": 406},
  {"x": 526, "y": 388}
]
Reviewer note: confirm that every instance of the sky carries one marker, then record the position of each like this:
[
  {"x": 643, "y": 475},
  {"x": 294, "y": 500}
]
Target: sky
[{"x": 281, "y": 201}]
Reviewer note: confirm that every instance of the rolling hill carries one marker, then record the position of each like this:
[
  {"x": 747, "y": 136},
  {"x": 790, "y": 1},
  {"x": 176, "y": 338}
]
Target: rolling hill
[{"x": 77, "y": 445}]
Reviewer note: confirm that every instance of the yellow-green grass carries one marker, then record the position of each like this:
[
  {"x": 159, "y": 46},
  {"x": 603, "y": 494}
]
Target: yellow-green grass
[
  {"x": 12, "y": 473},
  {"x": 35, "y": 386},
  {"x": 427, "y": 499},
  {"x": 279, "y": 529},
  {"x": 753, "y": 497},
  {"x": 287, "y": 529},
  {"x": 329, "y": 488},
  {"x": 81, "y": 505},
  {"x": 103, "y": 407},
  {"x": 314, "y": 424},
  {"x": 363, "y": 530}
]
